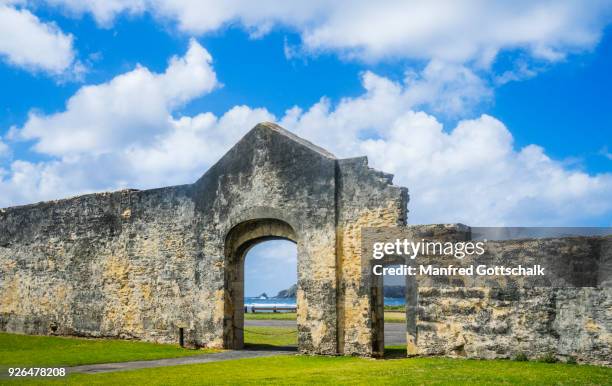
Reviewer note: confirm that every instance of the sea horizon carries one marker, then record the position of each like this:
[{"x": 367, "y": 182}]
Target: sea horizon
[{"x": 256, "y": 301}]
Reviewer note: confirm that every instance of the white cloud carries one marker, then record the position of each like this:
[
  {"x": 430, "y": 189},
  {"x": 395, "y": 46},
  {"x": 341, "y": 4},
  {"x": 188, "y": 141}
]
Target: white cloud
[
  {"x": 458, "y": 40},
  {"x": 472, "y": 173},
  {"x": 446, "y": 88},
  {"x": 190, "y": 147},
  {"x": 181, "y": 154},
  {"x": 451, "y": 31},
  {"x": 521, "y": 71},
  {"x": 459, "y": 31},
  {"x": 104, "y": 11},
  {"x": 4, "y": 149},
  {"x": 28, "y": 43},
  {"x": 131, "y": 108}
]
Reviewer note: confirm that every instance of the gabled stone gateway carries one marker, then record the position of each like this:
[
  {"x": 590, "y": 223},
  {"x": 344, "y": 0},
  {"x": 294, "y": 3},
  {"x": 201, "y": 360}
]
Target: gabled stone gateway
[
  {"x": 145, "y": 264},
  {"x": 150, "y": 264}
]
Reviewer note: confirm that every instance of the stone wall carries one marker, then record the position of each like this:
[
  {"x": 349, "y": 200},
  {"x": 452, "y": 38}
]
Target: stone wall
[
  {"x": 503, "y": 321},
  {"x": 500, "y": 318},
  {"x": 366, "y": 198},
  {"x": 107, "y": 265},
  {"x": 142, "y": 264},
  {"x": 496, "y": 323}
]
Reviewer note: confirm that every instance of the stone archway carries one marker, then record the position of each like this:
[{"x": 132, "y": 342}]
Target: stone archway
[
  {"x": 163, "y": 264},
  {"x": 166, "y": 263},
  {"x": 238, "y": 242}
]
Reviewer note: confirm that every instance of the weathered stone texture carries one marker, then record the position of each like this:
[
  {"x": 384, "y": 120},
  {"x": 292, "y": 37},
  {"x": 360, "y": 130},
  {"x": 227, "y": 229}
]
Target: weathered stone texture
[
  {"x": 113, "y": 264},
  {"x": 502, "y": 321},
  {"x": 366, "y": 199},
  {"x": 142, "y": 264},
  {"x": 506, "y": 317},
  {"x": 497, "y": 323}
]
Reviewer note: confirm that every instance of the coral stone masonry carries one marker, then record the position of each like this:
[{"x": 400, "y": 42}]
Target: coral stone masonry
[{"x": 144, "y": 264}]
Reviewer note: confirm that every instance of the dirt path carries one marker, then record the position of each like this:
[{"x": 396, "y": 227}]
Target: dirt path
[{"x": 204, "y": 358}]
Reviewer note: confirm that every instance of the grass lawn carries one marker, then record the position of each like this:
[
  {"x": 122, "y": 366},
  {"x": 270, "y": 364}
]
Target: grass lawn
[
  {"x": 270, "y": 316},
  {"x": 395, "y": 316},
  {"x": 271, "y": 337},
  {"x": 391, "y": 316},
  {"x": 268, "y": 337},
  {"x": 357, "y": 371},
  {"x": 395, "y": 308},
  {"x": 25, "y": 350}
]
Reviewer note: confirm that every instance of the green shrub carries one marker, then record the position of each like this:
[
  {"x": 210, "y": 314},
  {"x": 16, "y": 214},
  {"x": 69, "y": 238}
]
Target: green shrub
[
  {"x": 571, "y": 360},
  {"x": 549, "y": 357},
  {"x": 521, "y": 357}
]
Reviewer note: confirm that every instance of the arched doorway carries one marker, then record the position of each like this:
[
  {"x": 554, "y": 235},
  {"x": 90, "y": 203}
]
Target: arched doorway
[{"x": 239, "y": 241}]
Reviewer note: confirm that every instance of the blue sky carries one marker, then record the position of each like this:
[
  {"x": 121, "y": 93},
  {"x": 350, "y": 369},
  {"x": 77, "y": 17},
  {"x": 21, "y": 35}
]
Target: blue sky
[{"x": 491, "y": 113}]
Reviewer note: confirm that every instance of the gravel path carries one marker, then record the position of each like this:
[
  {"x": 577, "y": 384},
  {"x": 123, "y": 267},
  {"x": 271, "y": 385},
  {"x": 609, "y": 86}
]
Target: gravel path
[{"x": 204, "y": 358}]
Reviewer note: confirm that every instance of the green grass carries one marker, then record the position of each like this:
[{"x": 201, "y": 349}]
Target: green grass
[
  {"x": 28, "y": 350},
  {"x": 274, "y": 337},
  {"x": 267, "y": 337},
  {"x": 270, "y": 316},
  {"x": 357, "y": 371},
  {"x": 394, "y": 315},
  {"x": 25, "y": 350},
  {"x": 395, "y": 308}
]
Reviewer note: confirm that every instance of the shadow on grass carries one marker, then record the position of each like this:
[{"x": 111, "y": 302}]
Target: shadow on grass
[
  {"x": 395, "y": 352},
  {"x": 268, "y": 347},
  {"x": 391, "y": 352}
]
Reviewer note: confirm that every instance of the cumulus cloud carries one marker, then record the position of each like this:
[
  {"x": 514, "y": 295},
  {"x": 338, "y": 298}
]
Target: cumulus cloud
[
  {"x": 451, "y": 31},
  {"x": 131, "y": 108},
  {"x": 181, "y": 154},
  {"x": 471, "y": 173},
  {"x": 458, "y": 41},
  {"x": 4, "y": 149},
  {"x": 104, "y": 11},
  {"x": 124, "y": 133},
  {"x": 27, "y": 42},
  {"x": 449, "y": 89}
]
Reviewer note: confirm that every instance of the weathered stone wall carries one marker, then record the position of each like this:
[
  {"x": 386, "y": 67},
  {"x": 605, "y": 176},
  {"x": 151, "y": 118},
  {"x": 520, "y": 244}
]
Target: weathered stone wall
[
  {"x": 114, "y": 264},
  {"x": 366, "y": 198},
  {"x": 500, "y": 321},
  {"x": 142, "y": 264},
  {"x": 272, "y": 174}
]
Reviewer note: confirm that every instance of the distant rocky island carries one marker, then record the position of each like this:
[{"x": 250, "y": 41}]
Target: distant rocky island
[
  {"x": 290, "y": 292},
  {"x": 389, "y": 291}
]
